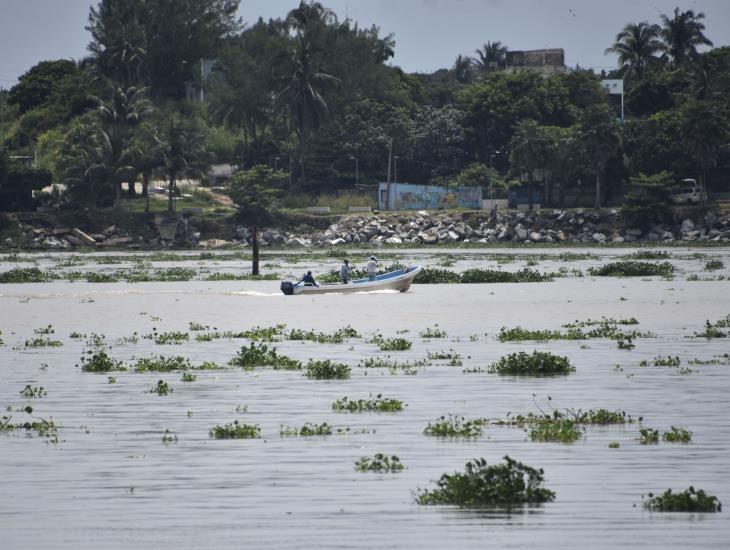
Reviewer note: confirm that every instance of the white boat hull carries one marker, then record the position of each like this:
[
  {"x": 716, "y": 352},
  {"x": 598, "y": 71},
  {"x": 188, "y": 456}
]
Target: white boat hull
[{"x": 395, "y": 280}]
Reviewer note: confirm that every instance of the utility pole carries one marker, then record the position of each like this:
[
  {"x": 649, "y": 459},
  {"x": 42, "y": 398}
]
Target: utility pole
[
  {"x": 390, "y": 158},
  {"x": 291, "y": 165},
  {"x": 357, "y": 189}
]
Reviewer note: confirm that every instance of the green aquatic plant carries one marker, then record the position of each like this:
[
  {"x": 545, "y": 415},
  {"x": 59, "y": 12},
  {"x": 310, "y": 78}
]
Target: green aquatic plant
[
  {"x": 207, "y": 336},
  {"x": 663, "y": 362},
  {"x": 162, "y": 388},
  {"x": 45, "y": 331},
  {"x": 677, "y": 435},
  {"x": 690, "y": 500},
  {"x": 197, "y": 327},
  {"x": 614, "y": 445},
  {"x": 33, "y": 391},
  {"x": 712, "y": 330},
  {"x": 560, "y": 431},
  {"x": 166, "y": 338},
  {"x": 479, "y": 275},
  {"x": 714, "y": 265},
  {"x": 307, "y": 430},
  {"x": 516, "y": 334},
  {"x": 326, "y": 370},
  {"x": 161, "y": 363},
  {"x": 235, "y": 431},
  {"x": 188, "y": 377},
  {"x": 443, "y": 355},
  {"x": 337, "y": 337},
  {"x": 388, "y": 363},
  {"x": 646, "y": 254},
  {"x": 373, "y": 404},
  {"x": 394, "y": 344},
  {"x": 40, "y": 342},
  {"x": 434, "y": 332},
  {"x": 626, "y": 343},
  {"x": 648, "y": 436},
  {"x": 480, "y": 485},
  {"x": 168, "y": 437},
  {"x": 93, "y": 277},
  {"x": 100, "y": 361},
  {"x": 633, "y": 269},
  {"x": 379, "y": 463},
  {"x": 261, "y": 355},
  {"x": 26, "y": 275},
  {"x": 538, "y": 363},
  {"x": 263, "y": 334},
  {"x": 455, "y": 426}
]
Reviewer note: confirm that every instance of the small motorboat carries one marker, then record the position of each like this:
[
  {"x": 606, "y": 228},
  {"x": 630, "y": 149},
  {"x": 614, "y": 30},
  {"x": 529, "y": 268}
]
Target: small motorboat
[{"x": 399, "y": 280}]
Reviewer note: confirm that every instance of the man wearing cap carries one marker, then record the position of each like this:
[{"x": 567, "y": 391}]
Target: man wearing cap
[
  {"x": 372, "y": 268},
  {"x": 345, "y": 272}
]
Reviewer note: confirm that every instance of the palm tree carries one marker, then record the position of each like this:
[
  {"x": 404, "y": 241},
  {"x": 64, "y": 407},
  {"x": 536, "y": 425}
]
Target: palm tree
[
  {"x": 682, "y": 34},
  {"x": 463, "y": 69},
  {"x": 118, "y": 115},
  {"x": 602, "y": 139},
  {"x": 146, "y": 157},
  {"x": 529, "y": 145},
  {"x": 635, "y": 46},
  {"x": 182, "y": 151},
  {"x": 490, "y": 56}
]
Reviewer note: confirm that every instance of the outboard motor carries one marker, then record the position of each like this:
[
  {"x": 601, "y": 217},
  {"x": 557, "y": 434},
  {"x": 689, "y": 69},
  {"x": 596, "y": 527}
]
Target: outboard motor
[{"x": 287, "y": 287}]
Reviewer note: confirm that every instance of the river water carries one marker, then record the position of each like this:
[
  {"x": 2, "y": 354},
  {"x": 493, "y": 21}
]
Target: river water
[{"x": 110, "y": 481}]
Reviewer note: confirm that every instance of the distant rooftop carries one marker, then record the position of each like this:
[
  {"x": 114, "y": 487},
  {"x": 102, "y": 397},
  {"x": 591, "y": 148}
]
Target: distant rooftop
[{"x": 547, "y": 61}]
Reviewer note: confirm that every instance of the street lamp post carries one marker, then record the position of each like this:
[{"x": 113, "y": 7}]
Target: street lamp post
[
  {"x": 395, "y": 168},
  {"x": 357, "y": 174}
]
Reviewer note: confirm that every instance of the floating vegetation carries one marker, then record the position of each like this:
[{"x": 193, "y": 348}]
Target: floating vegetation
[
  {"x": 33, "y": 391},
  {"x": 207, "y": 336},
  {"x": 26, "y": 275},
  {"x": 455, "y": 426},
  {"x": 162, "y": 388},
  {"x": 714, "y": 265},
  {"x": 379, "y": 463},
  {"x": 394, "y": 344},
  {"x": 601, "y": 417},
  {"x": 308, "y": 430},
  {"x": 124, "y": 340},
  {"x": 578, "y": 330},
  {"x": 242, "y": 277},
  {"x": 648, "y": 436},
  {"x": 197, "y": 327},
  {"x": 633, "y": 269},
  {"x": 188, "y": 377},
  {"x": 626, "y": 343},
  {"x": 168, "y": 437},
  {"x": 373, "y": 404},
  {"x": 520, "y": 334},
  {"x": 388, "y": 363},
  {"x": 42, "y": 427},
  {"x": 45, "y": 331},
  {"x": 614, "y": 445},
  {"x": 500, "y": 485},
  {"x": 261, "y": 355},
  {"x": 538, "y": 363},
  {"x": 235, "y": 431},
  {"x": 337, "y": 337},
  {"x": 161, "y": 363},
  {"x": 690, "y": 500},
  {"x": 723, "y": 359},
  {"x": 646, "y": 254},
  {"x": 100, "y": 361},
  {"x": 663, "y": 362},
  {"x": 40, "y": 342},
  {"x": 556, "y": 430},
  {"x": 677, "y": 435},
  {"x": 430, "y": 275},
  {"x": 443, "y": 355},
  {"x": 434, "y": 332},
  {"x": 712, "y": 330},
  {"x": 326, "y": 370},
  {"x": 165, "y": 338}
]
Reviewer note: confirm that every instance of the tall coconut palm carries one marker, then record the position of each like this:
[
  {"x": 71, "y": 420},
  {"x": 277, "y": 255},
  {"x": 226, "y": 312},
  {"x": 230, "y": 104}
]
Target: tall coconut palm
[
  {"x": 463, "y": 69},
  {"x": 682, "y": 34},
  {"x": 181, "y": 146},
  {"x": 529, "y": 146},
  {"x": 602, "y": 139},
  {"x": 490, "y": 55},
  {"x": 635, "y": 46},
  {"x": 146, "y": 156},
  {"x": 118, "y": 115}
]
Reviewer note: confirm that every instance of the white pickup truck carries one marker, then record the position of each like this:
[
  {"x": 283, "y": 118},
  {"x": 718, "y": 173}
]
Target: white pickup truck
[{"x": 689, "y": 192}]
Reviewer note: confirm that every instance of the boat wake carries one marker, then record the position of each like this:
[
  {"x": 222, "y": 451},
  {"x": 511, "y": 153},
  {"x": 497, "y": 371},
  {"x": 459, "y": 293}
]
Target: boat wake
[{"x": 253, "y": 293}]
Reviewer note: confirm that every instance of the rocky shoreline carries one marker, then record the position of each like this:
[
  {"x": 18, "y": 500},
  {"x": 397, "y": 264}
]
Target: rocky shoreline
[{"x": 381, "y": 229}]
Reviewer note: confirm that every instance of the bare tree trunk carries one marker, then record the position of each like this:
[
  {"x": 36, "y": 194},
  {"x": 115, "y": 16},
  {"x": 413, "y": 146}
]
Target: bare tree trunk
[
  {"x": 529, "y": 190},
  {"x": 146, "y": 190},
  {"x": 118, "y": 195},
  {"x": 598, "y": 190},
  {"x": 255, "y": 247},
  {"x": 169, "y": 193}
]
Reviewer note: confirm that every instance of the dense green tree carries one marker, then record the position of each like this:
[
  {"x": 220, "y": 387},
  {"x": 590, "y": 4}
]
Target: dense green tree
[
  {"x": 705, "y": 131},
  {"x": 648, "y": 201},
  {"x": 602, "y": 138},
  {"x": 636, "y": 46},
  {"x": 529, "y": 148},
  {"x": 36, "y": 87},
  {"x": 255, "y": 192},
  {"x": 682, "y": 34},
  {"x": 146, "y": 156},
  {"x": 490, "y": 56},
  {"x": 463, "y": 69}
]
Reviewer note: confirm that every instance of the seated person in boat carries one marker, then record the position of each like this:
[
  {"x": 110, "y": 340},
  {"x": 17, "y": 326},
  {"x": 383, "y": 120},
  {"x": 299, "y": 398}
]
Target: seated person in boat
[
  {"x": 345, "y": 272},
  {"x": 372, "y": 268},
  {"x": 308, "y": 280}
]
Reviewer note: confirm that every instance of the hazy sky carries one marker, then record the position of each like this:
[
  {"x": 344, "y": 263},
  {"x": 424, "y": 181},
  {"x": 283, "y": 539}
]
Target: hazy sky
[{"x": 429, "y": 33}]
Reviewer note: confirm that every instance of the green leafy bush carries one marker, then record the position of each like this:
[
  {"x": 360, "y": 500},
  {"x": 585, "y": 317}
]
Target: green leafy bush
[
  {"x": 326, "y": 370},
  {"x": 538, "y": 363},
  {"x": 100, "y": 361},
  {"x": 686, "y": 501},
  {"x": 235, "y": 431},
  {"x": 500, "y": 485}
]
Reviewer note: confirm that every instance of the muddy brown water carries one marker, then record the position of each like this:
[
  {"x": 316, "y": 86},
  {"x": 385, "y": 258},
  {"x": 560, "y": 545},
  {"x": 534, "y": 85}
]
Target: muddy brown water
[{"x": 111, "y": 482}]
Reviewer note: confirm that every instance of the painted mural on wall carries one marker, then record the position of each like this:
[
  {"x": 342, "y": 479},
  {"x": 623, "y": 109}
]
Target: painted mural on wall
[{"x": 417, "y": 197}]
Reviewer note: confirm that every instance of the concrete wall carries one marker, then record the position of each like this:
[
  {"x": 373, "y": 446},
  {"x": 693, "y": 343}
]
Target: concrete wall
[{"x": 406, "y": 196}]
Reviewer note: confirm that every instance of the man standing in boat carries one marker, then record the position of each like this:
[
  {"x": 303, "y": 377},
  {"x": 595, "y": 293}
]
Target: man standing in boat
[
  {"x": 345, "y": 272},
  {"x": 372, "y": 268}
]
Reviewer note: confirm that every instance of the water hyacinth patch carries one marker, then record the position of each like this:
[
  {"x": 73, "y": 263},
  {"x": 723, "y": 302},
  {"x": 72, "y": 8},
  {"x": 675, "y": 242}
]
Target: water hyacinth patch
[
  {"x": 373, "y": 404},
  {"x": 431, "y": 333},
  {"x": 100, "y": 361},
  {"x": 480, "y": 485},
  {"x": 260, "y": 355},
  {"x": 479, "y": 275},
  {"x": 455, "y": 426},
  {"x": 560, "y": 431},
  {"x": 690, "y": 500},
  {"x": 163, "y": 338},
  {"x": 235, "y": 431},
  {"x": 648, "y": 436},
  {"x": 40, "y": 342},
  {"x": 307, "y": 430},
  {"x": 538, "y": 363},
  {"x": 162, "y": 364},
  {"x": 633, "y": 269},
  {"x": 379, "y": 463},
  {"x": 326, "y": 370},
  {"x": 26, "y": 275},
  {"x": 162, "y": 388},
  {"x": 337, "y": 337},
  {"x": 394, "y": 344},
  {"x": 33, "y": 391},
  {"x": 188, "y": 377},
  {"x": 663, "y": 362},
  {"x": 714, "y": 265},
  {"x": 677, "y": 435}
]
